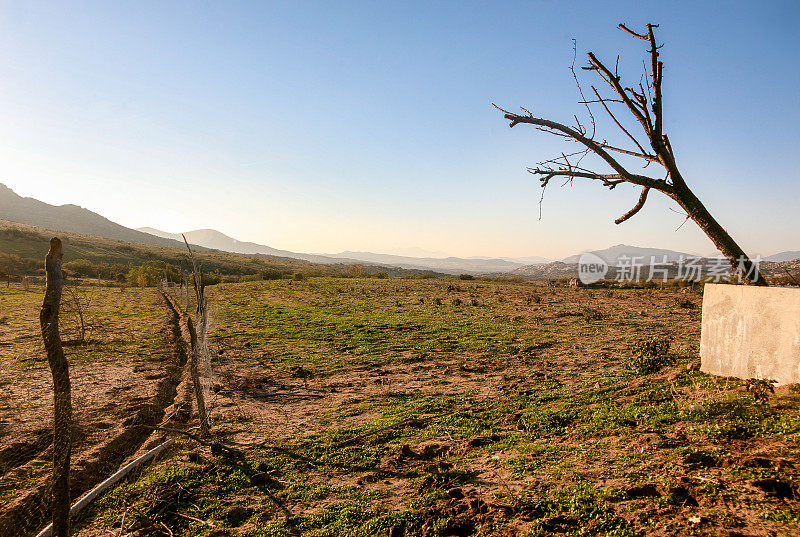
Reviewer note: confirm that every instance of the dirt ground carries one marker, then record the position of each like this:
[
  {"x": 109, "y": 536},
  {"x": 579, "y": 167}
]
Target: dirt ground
[
  {"x": 412, "y": 407},
  {"x": 123, "y": 374}
]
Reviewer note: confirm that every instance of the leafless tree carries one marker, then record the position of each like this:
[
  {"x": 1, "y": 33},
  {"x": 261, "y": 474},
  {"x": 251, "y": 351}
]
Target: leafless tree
[
  {"x": 644, "y": 103},
  {"x": 78, "y": 304}
]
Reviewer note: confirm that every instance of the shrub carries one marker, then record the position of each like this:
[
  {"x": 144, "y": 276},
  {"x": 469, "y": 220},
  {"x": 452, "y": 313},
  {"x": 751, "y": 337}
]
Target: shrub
[
  {"x": 298, "y": 276},
  {"x": 212, "y": 278},
  {"x": 151, "y": 272},
  {"x": 651, "y": 355},
  {"x": 592, "y": 314},
  {"x": 760, "y": 389},
  {"x": 270, "y": 274},
  {"x": 466, "y": 277},
  {"x": 685, "y": 303}
]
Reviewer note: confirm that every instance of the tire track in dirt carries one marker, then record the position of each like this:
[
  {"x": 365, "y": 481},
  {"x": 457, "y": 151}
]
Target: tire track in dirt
[
  {"x": 29, "y": 512},
  {"x": 20, "y": 453}
]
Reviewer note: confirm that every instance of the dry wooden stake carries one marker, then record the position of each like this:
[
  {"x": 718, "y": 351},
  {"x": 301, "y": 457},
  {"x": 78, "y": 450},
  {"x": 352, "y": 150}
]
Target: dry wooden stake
[{"x": 62, "y": 415}]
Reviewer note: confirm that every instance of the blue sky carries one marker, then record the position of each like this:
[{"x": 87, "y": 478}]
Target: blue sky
[{"x": 368, "y": 126}]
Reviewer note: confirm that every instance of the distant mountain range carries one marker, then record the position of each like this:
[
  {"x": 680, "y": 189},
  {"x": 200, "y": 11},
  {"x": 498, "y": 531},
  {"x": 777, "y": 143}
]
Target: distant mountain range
[
  {"x": 76, "y": 219},
  {"x": 783, "y": 256},
  {"x": 216, "y": 240},
  {"x": 211, "y": 238},
  {"x": 451, "y": 265},
  {"x": 612, "y": 254}
]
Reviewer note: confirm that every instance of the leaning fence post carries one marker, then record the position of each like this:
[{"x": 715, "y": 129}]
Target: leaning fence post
[
  {"x": 195, "y": 372},
  {"x": 62, "y": 415},
  {"x": 198, "y": 344}
]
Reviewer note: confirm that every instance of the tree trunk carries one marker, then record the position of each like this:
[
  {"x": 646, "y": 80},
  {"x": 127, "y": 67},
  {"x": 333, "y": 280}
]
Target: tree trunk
[
  {"x": 738, "y": 260},
  {"x": 62, "y": 419}
]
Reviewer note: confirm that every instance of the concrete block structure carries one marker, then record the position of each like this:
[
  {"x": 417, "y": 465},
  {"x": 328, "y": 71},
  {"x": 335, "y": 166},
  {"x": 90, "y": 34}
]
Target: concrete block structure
[{"x": 751, "y": 332}]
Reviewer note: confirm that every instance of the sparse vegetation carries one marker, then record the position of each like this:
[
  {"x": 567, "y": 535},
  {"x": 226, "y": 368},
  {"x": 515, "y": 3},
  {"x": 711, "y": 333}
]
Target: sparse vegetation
[
  {"x": 365, "y": 407},
  {"x": 651, "y": 355}
]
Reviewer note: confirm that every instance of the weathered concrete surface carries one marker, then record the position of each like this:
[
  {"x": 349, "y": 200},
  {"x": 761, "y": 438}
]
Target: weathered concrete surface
[{"x": 751, "y": 332}]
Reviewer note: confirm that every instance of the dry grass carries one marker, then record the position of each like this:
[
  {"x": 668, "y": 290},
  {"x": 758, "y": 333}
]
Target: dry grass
[{"x": 513, "y": 408}]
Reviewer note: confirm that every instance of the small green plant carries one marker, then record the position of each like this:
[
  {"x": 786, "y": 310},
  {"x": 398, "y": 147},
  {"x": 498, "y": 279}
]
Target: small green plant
[
  {"x": 651, "y": 355},
  {"x": 760, "y": 389},
  {"x": 466, "y": 277},
  {"x": 457, "y": 302},
  {"x": 298, "y": 276},
  {"x": 591, "y": 314},
  {"x": 685, "y": 303}
]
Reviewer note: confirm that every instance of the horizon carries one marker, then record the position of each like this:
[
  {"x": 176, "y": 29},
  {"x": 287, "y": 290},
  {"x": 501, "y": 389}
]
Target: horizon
[{"x": 367, "y": 127}]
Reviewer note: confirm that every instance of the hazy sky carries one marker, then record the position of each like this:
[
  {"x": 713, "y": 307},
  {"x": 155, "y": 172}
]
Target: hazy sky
[{"x": 368, "y": 126}]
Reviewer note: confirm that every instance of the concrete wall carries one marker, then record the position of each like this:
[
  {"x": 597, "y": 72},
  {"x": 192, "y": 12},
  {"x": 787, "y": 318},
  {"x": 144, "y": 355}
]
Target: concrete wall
[{"x": 751, "y": 332}]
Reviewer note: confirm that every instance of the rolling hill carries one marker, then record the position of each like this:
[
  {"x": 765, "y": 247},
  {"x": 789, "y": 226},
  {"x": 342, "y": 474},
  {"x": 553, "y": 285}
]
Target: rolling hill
[
  {"x": 71, "y": 218},
  {"x": 213, "y": 239},
  {"x": 611, "y": 254},
  {"x": 216, "y": 240},
  {"x": 783, "y": 256}
]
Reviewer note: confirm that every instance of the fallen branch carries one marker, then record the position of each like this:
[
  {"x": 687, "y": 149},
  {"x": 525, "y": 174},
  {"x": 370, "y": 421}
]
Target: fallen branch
[
  {"x": 193, "y": 519},
  {"x": 99, "y": 489},
  {"x": 216, "y": 447}
]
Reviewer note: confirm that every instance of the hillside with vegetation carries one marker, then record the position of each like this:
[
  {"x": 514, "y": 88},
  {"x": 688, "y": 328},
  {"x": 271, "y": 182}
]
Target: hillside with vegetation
[
  {"x": 22, "y": 249},
  {"x": 70, "y": 218}
]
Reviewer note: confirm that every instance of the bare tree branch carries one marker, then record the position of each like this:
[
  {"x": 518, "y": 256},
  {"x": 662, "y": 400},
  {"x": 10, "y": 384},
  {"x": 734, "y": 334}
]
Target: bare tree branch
[
  {"x": 635, "y": 141},
  {"x": 613, "y": 81},
  {"x": 636, "y": 208},
  {"x": 658, "y": 184},
  {"x": 610, "y": 180},
  {"x": 634, "y": 34},
  {"x": 649, "y": 157},
  {"x": 580, "y": 89}
]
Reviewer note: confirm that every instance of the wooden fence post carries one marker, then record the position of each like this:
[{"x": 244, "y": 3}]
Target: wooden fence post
[
  {"x": 198, "y": 344},
  {"x": 195, "y": 372},
  {"x": 62, "y": 416}
]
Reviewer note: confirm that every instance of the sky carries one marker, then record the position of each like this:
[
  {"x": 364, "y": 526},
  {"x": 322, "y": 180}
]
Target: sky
[{"x": 331, "y": 126}]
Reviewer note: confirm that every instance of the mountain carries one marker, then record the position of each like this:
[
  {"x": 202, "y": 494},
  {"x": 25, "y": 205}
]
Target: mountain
[
  {"x": 448, "y": 265},
  {"x": 211, "y": 238},
  {"x": 547, "y": 271},
  {"x": 612, "y": 254},
  {"x": 568, "y": 267},
  {"x": 783, "y": 256},
  {"x": 216, "y": 240},
  {"x": 71, "y": 218},
  {"x": 531, "y": 260}
]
